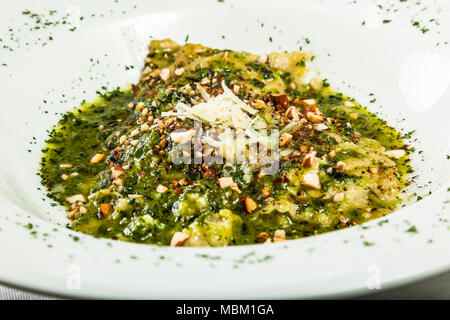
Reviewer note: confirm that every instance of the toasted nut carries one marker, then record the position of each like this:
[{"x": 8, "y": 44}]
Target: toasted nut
[
  {"x": 396, "y": 154},
  {"x": 182, "y": 136},
  {"x": 338, "y": 197},
  {"x": 340, "y": 165},
  {"x": 72, "y": 213},
  {"x": 313, "y": 117},
  {"x": 236, "y": 89},
  {"x": 65, "y": 165},
  {"x": 308, "y": 160},
  {"x": 309, "y": 101},
  {"x": 161, "y": 189},
  {"x": 178, "y": 239},
  {"x": 321, "y": 127},
  {"x": 373, "y": 170},
  {"x": 279, "y": 235},
  {"x": 285, "y": 138},
  {"x": 263, "y": 236},
  {"x": 164, "y": 74},
  {"x": 83, "y": 210},
  {"x": 97, "y": 158},
  {"x": 105, "y": 208},
  {"x": 226, "y": 182},
  {"x": 263, "y": 59},
  {"x": 353, "y": 116},
  {"x": 64, "y": 176},
  {"x": 311, "y": 179},
  {"x": 332, "y": 153},
  {"x": 145, "y": 127},
  {"x": 250, "y": 204},
  {"x": 316, "y": 84},
  {"x": 117, "y": 171},
  {"x": 292, "y": 113},
  {"x": 265, "y": 192},
  {"x": 178, "y": 72},
  {"x": 78, "y": 198},
  {"x": 259, "y": 103}
]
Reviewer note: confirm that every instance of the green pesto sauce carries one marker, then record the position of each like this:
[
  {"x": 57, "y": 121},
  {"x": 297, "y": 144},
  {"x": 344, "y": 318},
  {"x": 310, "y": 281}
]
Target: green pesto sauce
[{"x": 213, "y": 216}]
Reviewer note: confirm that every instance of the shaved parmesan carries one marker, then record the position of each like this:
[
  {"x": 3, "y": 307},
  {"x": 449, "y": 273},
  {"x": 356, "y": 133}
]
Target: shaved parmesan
[{"x": 224, "y": 110}]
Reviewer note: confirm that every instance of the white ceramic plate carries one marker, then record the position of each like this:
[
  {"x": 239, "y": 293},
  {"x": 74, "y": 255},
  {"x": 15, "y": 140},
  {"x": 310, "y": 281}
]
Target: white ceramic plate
[{"x": 406, "y": 68}]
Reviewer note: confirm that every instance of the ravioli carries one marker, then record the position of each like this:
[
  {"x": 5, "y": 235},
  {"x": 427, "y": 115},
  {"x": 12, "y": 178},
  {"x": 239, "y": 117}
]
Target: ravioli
[{"x": 154, "y": 164}]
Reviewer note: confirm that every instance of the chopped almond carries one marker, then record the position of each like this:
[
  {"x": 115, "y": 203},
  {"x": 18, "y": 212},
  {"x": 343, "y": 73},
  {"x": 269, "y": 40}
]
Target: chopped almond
[
  {"x": 285, "y": 138},
  {"x": 279, "y": 235},
  {"x": 72, "y": 213},
  {"x": 226, "y": 182},
  {"x": 313, "y": 117},
  {"x": 117, "y": 171},
  {"x": 373, "y": 170},
  {"x": 118, "y": 182},
  {"x": 83, "y": 210},
  {"x": 178, "y": 239},
  {"x": 179, "y": 71},
  {"x": 332, "y": 153},
  {"x": 182, "y": 136},
  {"x": 353, "y": 116},
  {"x": 340, "y": 165},
  {"x": 292, "y": 113},
  {"x": 78, "y": 198},
  {"x": 65, "y": 165},
  {"x": 164, "y": 74},
  {"x": 321, "y": 127},
  {"x": 311, "y": 179},
  {"x": 250, "y": 204},
  {"x": 161, "y": 189},
  {"x": 263, "y": 59},
  {"x": 262, "y": 237},
  {"x": 338, "y": 197},
  {"x": 308, "y": 160},
  {"x": 105, "y": 208},
  {"x": 396, "y": 154},
  {"x": 97, "y": 158},
  {"x": 265, "y": 192}
]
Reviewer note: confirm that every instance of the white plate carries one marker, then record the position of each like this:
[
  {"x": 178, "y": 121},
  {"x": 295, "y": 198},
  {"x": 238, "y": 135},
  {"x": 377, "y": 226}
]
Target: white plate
[{"x": 407, "y": 71}]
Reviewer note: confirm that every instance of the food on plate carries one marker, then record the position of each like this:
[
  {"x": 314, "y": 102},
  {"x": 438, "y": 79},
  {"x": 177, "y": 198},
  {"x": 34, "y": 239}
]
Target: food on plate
[{"x": 217, "y": 147}]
